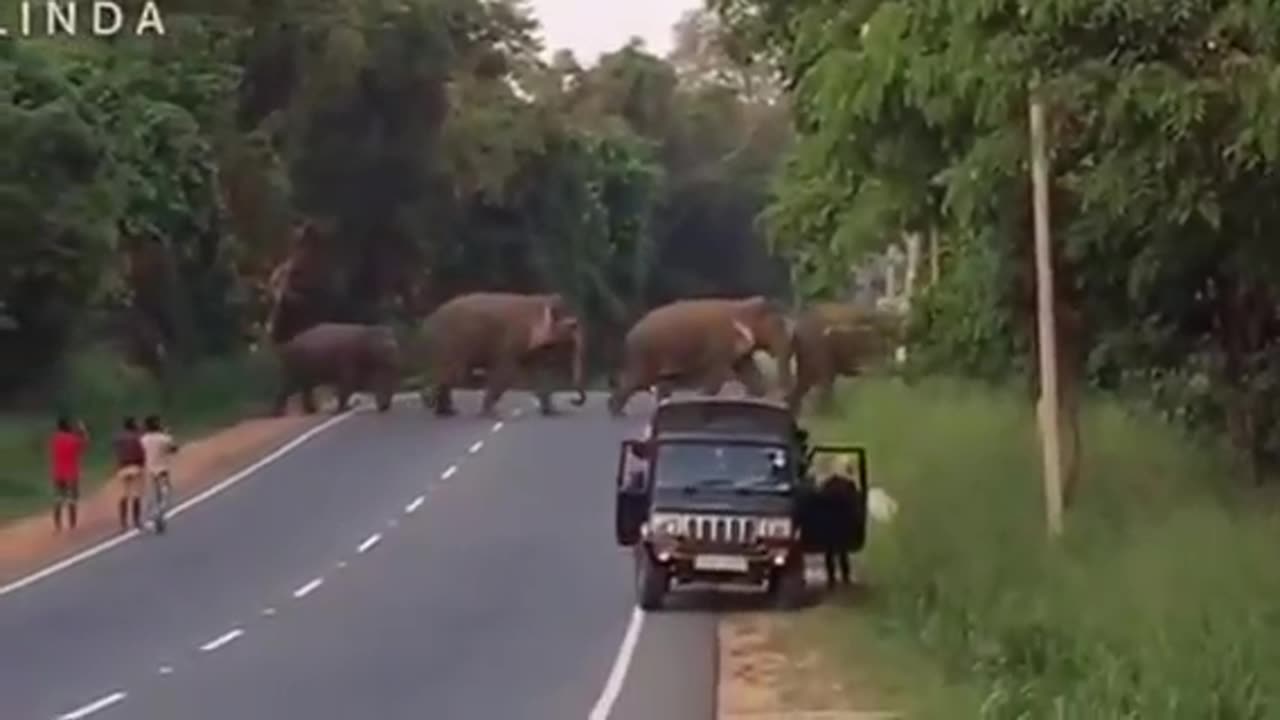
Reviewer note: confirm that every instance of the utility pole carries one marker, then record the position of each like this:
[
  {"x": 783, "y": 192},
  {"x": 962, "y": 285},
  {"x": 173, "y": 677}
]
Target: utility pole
[{"x": 1048, "y": 406}]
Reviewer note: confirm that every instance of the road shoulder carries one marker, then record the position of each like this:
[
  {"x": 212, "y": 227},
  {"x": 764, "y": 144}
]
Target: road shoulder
[
  {"x": 29, "y": 543},
  {"x": 776, "y": 666}
]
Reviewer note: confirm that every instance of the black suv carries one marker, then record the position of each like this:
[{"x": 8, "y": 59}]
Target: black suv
[{"x": 720, "y": 491}]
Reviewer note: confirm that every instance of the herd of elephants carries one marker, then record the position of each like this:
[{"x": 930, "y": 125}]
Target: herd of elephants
[{"x": 692, "y": 343}]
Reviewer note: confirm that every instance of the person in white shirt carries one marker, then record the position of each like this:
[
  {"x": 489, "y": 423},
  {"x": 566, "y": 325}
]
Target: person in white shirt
[{"x": 158, "y": 446}]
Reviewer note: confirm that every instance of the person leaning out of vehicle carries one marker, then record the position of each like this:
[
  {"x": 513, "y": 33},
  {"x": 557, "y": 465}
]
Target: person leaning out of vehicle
[{"x": 836, "y": 516}]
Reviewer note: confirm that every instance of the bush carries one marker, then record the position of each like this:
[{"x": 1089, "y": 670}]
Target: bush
[{"x": 1161, "y": 602}]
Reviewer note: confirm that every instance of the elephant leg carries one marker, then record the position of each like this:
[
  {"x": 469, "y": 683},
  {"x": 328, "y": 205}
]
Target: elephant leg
[
  {"x": 541, "y": 388},
  {"x": 627, "y": 386},
  {"x": 545, "y": 406},
  {"x": 281, "y": 399},
  {"x": 827, "y": 395},
  {"x": 499, "y": 379},
  {"x": 309, "y": 399},
  {"x": 713, "y": 382},
  {"x": 443, "y": 400},
  {"x": 344, "y": 397},
  {"x": 751, "y": 377},
  {"x": 795, "y": 398}
]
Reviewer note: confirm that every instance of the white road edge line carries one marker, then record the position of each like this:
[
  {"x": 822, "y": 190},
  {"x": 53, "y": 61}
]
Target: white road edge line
[
  {"x": 220, "y": 641},
  {"x": 475, "y": 447},
  {"x": 613, "y": 686},
  {"x": 413, "y": 506},
  {"x": 449, "y": 472},
  {"x": 307, "y": 589},
  {"x": 369, "y": 542},
  {"x": 497, "y": 426},
  {"x": 187, "y": 504},
  {"x": 95, "y": 706}
]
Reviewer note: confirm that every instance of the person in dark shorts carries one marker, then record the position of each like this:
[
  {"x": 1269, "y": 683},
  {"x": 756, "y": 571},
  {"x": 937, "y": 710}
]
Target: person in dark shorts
[
  {"x": 130, "y": 463},
  {"x": 66, "y": 453}
]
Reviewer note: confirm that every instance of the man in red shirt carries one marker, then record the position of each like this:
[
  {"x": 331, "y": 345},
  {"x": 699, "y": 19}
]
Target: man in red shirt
[{"x": 66, "y": 450}]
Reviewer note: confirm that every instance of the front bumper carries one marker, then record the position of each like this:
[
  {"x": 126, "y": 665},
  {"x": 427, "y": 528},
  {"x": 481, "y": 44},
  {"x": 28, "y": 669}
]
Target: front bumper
[{"x": 721, "y": 564}]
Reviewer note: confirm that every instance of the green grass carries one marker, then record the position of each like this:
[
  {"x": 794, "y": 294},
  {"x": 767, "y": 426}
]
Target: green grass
[
  {"x": 101, "y": 390},
  {"x": 1163, "y": 600}
]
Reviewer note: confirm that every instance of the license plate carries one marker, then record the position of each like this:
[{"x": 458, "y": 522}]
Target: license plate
[{"x": 720, "y": 563}]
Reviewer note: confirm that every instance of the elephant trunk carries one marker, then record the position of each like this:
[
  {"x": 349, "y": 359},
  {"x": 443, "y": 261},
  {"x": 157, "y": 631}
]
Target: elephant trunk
[{"x": 579, "y": 350}]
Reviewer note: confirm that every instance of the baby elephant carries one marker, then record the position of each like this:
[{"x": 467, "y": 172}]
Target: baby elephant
[{"x": 347, "y": 356}]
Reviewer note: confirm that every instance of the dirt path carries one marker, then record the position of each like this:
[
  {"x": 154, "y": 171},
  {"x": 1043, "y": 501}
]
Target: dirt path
[
  {"x": 31, "y": 543},
  {"x": 769, "y": 671}
]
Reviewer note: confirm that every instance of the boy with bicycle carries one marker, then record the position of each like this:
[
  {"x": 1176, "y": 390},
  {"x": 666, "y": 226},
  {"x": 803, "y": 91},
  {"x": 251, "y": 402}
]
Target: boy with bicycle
[{"x": 158, "y": 446}]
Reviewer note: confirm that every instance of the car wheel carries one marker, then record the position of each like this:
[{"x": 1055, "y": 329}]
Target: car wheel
[{"x": 652, "y": 580}]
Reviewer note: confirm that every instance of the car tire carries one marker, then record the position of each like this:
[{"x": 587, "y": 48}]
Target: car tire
[{"x": 652, "y": 581}]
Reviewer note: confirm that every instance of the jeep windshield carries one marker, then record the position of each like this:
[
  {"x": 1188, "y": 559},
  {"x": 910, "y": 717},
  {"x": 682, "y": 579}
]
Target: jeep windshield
[{"x": 735, "y": 467}]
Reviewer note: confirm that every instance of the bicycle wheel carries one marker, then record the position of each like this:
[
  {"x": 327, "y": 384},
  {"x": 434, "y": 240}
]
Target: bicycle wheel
[{"x": 159, "y": 503}]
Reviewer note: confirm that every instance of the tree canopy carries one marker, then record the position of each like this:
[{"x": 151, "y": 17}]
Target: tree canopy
[
  {"x": 913, "y": 117},
  {"x": 373, "y": 159}
]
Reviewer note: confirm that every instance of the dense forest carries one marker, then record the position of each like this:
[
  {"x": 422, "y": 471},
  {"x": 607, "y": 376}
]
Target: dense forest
[
  {"x": 390, "y": 153},
  {"x": 912, "y": 119}
]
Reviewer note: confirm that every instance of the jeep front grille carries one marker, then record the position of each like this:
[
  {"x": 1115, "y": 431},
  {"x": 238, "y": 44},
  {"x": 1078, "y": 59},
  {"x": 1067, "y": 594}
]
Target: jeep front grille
[{"x": 721, "y": 529}]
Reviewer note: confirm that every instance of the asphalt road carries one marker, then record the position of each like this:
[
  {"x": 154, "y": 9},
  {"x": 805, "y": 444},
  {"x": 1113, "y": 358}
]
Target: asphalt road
[{"x": 394, "y": 566}]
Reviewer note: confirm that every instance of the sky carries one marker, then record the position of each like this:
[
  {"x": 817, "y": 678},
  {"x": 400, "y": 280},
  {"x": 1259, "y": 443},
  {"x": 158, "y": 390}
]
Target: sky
[{"x": 592, "y": 27}]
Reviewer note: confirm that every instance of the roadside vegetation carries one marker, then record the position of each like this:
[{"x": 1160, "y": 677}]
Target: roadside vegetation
[
  {"x": 1160, "y": 602},
  {"x": 911, "y": 118}
]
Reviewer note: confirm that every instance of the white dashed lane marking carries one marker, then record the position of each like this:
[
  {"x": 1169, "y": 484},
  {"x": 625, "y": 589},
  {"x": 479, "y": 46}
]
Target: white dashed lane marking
[
  {"x": 307, "y": 589},
  {"x": 310, "y": 587},
  {"x": 95, "y": 706},
  {"x": 369, "y": 542},
  {"x": 221, "y": 641}
]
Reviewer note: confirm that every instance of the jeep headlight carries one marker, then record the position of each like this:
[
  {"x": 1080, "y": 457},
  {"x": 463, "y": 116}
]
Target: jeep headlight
[
  {"x": 669, "y": 525},
  {"x": 775, "y": 528}
]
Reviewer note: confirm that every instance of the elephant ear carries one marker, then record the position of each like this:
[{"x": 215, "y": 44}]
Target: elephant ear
[
  {"x": 541, "y": 332},
  {"x": 744, "y": 341}
]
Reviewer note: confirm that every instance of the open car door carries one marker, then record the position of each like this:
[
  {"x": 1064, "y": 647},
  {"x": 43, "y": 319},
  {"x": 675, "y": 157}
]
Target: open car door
[
  {"x": 816, "y": 510},
  {"x": 631, "y": 503}
]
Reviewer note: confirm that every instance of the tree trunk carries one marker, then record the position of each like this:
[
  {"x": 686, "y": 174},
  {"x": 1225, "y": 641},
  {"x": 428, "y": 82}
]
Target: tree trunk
[
  {"x": 935, "y": 260},
  {"x": 912, "y": 241}
]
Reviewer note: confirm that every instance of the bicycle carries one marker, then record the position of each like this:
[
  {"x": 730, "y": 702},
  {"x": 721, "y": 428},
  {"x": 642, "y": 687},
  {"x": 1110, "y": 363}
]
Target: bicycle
[{"x": 161, "y": 489}]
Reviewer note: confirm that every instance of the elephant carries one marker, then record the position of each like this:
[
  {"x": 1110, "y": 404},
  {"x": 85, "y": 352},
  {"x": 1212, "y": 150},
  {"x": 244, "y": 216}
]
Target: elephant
[
  {"x": 704, "y": 342},
  {"x": 504, "y": 335},
  {"x": 350, "y": 356},
  {"x": 838, "y": 339}
]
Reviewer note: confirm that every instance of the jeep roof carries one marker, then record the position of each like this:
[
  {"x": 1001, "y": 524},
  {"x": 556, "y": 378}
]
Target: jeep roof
[{"x": 710, "y": 416}]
